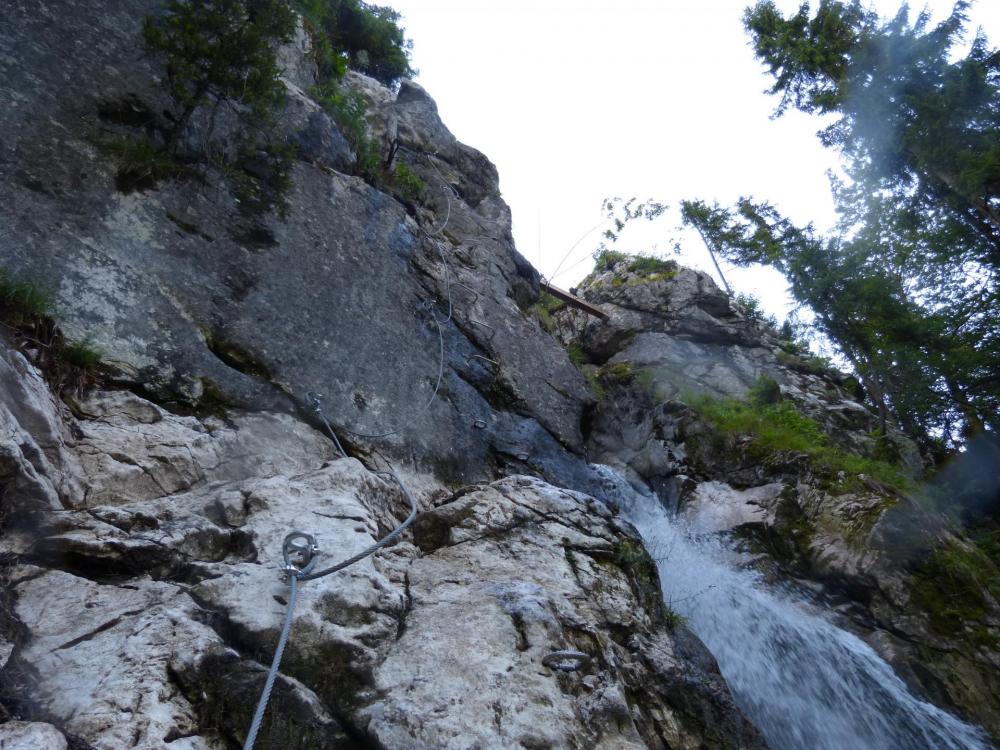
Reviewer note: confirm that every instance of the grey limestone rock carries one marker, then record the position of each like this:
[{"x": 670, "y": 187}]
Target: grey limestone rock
[
  {"x": 144, "y": 610},
  {"x": 186, "y": 295},
  {"x": 30, "y": 735}
]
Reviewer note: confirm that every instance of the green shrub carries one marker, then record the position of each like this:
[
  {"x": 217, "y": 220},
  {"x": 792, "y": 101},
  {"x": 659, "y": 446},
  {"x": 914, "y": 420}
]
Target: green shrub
[
  {"x": 26, "y": 310},
  {"x": 593, "y": 380},
  {"x": 550, "y": 303},
  {"x": 216, "y": 51},
  {"x": 988, "y": 540},
  {"x": 544, "y": 309},
  {"x": 794, "y": 337},
  {"x": 359, "y": 35},
  {"x": 753, "y": 311},
  {"x": 545, "y": 319},
  {"x": 22, "y": 302},
  {"x": 349, "y": 110},
  {"x": 407, "y": 184},
  {"x": 621, "y": 372},
  {"x": 658, "y": 276},
  {"x": 331, "y": 63},
  {"x": 953, "y": 585},
  {"x": 765, "y": 391},
  {"x": 605, "y": 260},
  {"x": 808, "y": 363},
  {"x": 261, "y": 177},
  {"x": 650, "y": 265},
  {"x": 633, "y": 558},
  {"x": 220, "y": 49},
  {"x": 780, "y": 427},
  {"x": 577, "y": 356}
]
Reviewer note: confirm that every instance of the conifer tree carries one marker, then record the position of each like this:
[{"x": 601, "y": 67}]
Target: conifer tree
[
  {"x": 221, "y": 49},
  {"x": 908, "y": 285}
]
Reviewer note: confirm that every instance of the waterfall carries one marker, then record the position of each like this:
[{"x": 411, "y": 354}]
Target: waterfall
[{"x": 804, "y": 682}]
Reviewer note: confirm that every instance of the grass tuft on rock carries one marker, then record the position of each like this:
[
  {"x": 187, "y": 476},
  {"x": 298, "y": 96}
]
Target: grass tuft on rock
[
  {"x": 27, "y": 313},
  {"x": 22, "y": 302},
  {"x": 647, "y": 267},
  {"x": 82, "y": 354},
  {"x": 633, "y": 558}
]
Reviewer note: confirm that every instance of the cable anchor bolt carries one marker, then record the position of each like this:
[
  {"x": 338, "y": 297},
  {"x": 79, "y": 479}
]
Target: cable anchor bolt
[
  {"x": 298, "y": 551},
  {"x": 317, "y": 400}
]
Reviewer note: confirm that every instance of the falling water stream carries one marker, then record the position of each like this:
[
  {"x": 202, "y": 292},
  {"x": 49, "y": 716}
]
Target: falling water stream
[{"x": 805, "y": 683}]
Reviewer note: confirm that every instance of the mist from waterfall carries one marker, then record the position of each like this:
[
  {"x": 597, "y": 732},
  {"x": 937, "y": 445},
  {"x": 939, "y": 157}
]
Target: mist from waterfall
[{"x": 804, "y": 682}]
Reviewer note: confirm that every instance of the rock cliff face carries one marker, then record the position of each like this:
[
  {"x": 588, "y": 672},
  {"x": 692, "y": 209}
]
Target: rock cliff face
[
  {"x": 196, "y": 304},
  {"x": 141, "y": 521},
  {"x": 897, "y": 573},
  {"x": 142, "y": 595}
]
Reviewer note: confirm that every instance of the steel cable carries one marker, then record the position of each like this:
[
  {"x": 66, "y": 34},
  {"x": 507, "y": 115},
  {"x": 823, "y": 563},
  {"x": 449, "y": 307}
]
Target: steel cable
[
  {"x": 295, "y": 576},
  {"x": 306, "y": 574},
  {"x": 441, "y": 353},
  {"x": 265, "y": 696}
]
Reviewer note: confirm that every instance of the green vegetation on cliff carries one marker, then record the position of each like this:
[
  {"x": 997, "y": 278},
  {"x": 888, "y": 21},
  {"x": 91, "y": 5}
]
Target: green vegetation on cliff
[
  {"x": 358, "y": 35},
  {"x": 27, "y": 317},
  {"x": 775, "y": 426},
  {"x": 22, "y": 303},
  {"x": 223, "y": 53},
  {"x": 648, "y": 268},
  {"x": 220, "y": 50},
  {"x": 958, "y": 586}
]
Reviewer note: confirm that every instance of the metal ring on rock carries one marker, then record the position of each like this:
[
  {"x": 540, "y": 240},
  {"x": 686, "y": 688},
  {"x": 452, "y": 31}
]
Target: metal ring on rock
[
  {"x": 301, "y": 543},
  {"x": 566, "y": 661}
]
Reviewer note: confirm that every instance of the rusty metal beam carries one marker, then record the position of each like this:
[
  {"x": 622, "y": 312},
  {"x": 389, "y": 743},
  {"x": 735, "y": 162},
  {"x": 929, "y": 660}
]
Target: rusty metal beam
[{"x": 574, "y": 301}]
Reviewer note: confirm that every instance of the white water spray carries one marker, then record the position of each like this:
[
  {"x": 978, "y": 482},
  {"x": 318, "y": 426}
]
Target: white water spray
[{"x": 804, "y": 682}]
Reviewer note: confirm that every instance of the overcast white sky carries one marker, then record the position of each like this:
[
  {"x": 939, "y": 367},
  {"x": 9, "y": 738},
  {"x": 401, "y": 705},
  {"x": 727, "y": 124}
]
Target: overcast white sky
[{"x": 579, "y": 100}]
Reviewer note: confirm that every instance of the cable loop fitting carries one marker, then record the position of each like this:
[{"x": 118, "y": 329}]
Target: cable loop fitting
[{"x": 302, "y": 546}]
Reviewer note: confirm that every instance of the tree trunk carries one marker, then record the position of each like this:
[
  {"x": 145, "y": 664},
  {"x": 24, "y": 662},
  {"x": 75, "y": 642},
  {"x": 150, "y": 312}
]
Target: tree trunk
[
  {"x": 985, "y": 219},
  {"x": 974, "y": 423},
  {"x": 717, "y": 268}
]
